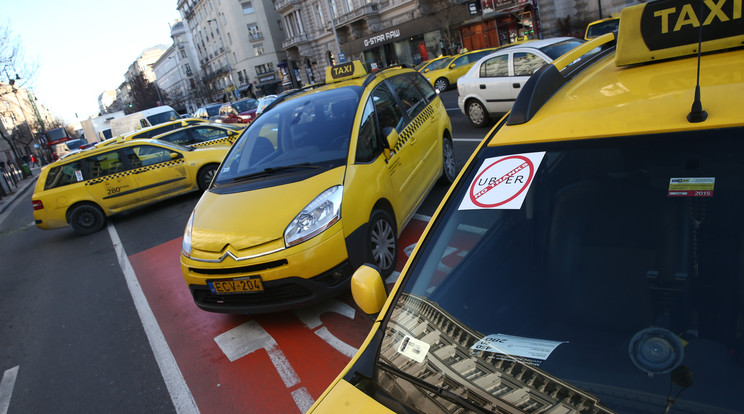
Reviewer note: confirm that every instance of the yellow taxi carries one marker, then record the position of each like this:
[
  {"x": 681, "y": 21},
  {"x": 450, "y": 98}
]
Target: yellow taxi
[
  {"x": 203, "y": 135},
  {"x": 86, "y": 187},
  {"x": 321, "y": 183},
  {"x": 445, "y": 72},
  {"x": 158, "y": 129},
  {"x": 599, "y": 27},
  {"x": 588, "y": 258}
]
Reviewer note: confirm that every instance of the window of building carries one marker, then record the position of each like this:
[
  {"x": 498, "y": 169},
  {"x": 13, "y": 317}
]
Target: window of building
[
  {"x": 247, "y": 7},
  {"x": 254, "y": 32},
  {"x": 265, "y": 68},
  {"x": 319, "y": 14},
  {"x": 258, "y": 49}
]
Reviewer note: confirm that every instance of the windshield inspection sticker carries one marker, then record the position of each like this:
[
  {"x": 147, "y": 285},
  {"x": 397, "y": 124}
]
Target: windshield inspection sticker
[
  {"x": 413, "y": 348},
  {"x": 691, "y": 187},
  {"x": 502, "y": 182},
  {"x": 79, "y": 175},
  {"x": 534, "y": 351}
]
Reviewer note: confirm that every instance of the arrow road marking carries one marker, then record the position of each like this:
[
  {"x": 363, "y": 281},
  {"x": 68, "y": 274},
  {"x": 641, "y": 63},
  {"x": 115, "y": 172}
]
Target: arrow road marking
[{"x": 6, "y": 388}]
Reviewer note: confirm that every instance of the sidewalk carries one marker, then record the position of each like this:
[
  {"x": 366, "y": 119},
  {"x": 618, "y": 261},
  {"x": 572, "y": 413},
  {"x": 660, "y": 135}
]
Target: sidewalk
[{"x": 15, "y": 192}]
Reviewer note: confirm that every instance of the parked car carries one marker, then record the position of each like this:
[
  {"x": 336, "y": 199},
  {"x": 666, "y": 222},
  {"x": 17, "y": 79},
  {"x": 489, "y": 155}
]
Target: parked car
[
  {"x": 431, "y": 63},
  {"x": 602, "y": 26},
  {"x": 83, "y": 189},
  {"x": 320, "y": 183},
  {"x": 493, "y": 83},
  {"x": 446, "y": 73},
  {"x": 209, "y": 111},
  {"x": 588, "y": 259},
  {"x": 240, "y": 112}
]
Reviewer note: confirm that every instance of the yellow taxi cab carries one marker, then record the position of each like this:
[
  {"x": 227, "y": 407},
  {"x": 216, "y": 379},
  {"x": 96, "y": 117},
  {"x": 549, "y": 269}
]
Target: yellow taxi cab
[
  {"x": 445, "y": 72},
  {"x": 158, "y": 129},
  {"x": 203, "y": 135},
  {"x": 602, "y": 26},
  {"x": 588, "y": 258},
  {"x": 322, "y": 182},
  {"x": 86, "y": 187},
  {"x": 431, "y": 63}
]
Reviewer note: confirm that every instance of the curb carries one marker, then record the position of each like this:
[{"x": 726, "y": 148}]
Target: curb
[{"x": 20, "y": 190}]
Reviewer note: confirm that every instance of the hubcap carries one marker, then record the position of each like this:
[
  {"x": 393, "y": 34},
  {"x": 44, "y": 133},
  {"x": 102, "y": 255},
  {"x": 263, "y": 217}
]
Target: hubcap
[
  {"x": 449, "y": 159},
  {"x": 475, "y": 112},
  {"x": 382, "y": 239},
  {"x": 441, "y": 85}
]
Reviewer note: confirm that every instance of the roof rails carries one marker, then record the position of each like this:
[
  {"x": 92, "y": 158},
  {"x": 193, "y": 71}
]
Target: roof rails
[
  {"x": 550, "y": 78},
  {"x": 376, "y": 73}
]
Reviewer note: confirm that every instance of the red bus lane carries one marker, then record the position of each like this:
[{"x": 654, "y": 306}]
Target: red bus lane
[{"x": 277, "y": 362}]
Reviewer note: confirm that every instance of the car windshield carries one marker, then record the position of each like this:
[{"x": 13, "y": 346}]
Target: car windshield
[
  {"x": 555, "y": 50},
  {"x": 163, "y": 117},
  {"x": 594, "y": 276},
  {"x": 439, "y": 64},
  {"x": 600, "y": 28},
  {"x": 245, "y": 105},
  {"x": 309, "y": 130},
  {"x": 75, "y": 143}
]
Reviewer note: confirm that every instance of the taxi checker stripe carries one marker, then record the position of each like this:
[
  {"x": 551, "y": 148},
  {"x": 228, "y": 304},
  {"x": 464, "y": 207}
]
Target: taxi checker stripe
[
  {"x": 412, "y": 127},
  {"x": 212, "y": 142},
  {"x": 134, "y": 171}
]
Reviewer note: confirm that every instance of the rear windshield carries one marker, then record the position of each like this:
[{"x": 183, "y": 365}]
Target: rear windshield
[
  {"x": 599, "y": 275},
  {"x": 555, "y": 50}
]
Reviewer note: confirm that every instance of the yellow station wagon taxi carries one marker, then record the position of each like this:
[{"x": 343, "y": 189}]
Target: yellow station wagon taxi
[
  {"x": 321, "y": 183},
  {"x": 84, "y": 188},
  {"x": 588, "y": 259}
]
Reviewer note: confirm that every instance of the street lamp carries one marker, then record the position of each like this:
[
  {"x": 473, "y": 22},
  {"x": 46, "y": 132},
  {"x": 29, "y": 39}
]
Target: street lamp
[{"x": 224, "y": 48}]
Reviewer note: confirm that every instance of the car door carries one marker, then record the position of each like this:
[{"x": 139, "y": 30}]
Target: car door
[
  {"x": 421, "y": 130},
  {"x": 209, "y": 135},
  {"x": 158, "y": 171},
  {"x": 109, "y": 182},
  {"x": 523, "y": 65},
  {"x": 493, "y": 84}
]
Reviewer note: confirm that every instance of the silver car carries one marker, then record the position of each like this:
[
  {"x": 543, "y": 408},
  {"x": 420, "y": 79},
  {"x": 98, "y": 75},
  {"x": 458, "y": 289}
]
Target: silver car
[{"x": 493, "y": 83}]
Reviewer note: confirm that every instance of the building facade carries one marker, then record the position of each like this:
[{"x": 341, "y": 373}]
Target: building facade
[
  {"x": 22, "y": 125},
  {"x": 238, "y": 46}
]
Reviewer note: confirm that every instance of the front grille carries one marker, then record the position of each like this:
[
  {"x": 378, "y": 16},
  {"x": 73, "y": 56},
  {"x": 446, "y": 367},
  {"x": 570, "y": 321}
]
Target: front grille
[{"x": 244, "y": 269}]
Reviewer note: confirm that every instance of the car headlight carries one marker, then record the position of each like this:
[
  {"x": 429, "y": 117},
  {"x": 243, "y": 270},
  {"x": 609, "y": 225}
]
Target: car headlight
[
  {"x": 320, "y": 214},
  {"x": 186, "y": 243}
]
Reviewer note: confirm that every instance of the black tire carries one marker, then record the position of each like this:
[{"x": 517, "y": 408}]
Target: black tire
[
  {"x": 87, "y": 219},
  {"x": 205, "y": 176},
  {"x": 441, "y": 84},
  {"x": 382, "y": 242},
  {"x": 449, "y": 169},
  {"x": 477, "y": 114}
]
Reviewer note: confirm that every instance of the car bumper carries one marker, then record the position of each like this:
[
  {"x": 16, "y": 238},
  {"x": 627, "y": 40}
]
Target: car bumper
[{"x": 291, "y": 278}]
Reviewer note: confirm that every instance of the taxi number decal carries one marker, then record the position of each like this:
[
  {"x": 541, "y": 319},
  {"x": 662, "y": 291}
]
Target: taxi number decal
[
  {"x": 502, "y": 182},
  {"x": 113, "y": 190}
]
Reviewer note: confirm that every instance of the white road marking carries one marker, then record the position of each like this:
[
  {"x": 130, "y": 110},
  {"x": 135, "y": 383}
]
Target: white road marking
[
  {"x": 6, "y": 388},
  {"x": 250, "y": 337},
  {"x": 311, "y": 316},
  {"x": 179, "y": 392},
  {"x": 303, "y": 399},
  {"x": 336, "y": 343}
]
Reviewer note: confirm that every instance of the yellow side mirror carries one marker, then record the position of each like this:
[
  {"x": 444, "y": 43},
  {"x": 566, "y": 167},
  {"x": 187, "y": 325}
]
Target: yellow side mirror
[{"x": 368, "y": 289}]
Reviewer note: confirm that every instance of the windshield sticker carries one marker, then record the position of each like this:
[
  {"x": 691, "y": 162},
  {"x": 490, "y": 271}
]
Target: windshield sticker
[
  {"x": 413, "y": 348},
  {"x": 502, "y": 182},
  {"x": 527, "y": 350},
  {"x": 691, "y": 187},
  {"x": 78, "y": 175}
]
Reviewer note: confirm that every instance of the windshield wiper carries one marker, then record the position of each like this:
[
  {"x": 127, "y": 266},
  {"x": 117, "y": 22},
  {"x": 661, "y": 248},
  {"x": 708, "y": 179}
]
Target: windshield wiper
[
  {"x": 270, "y": 170},
  {"x": 439, "y": 391}
]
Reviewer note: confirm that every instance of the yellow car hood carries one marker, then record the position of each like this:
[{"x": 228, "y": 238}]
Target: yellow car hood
[{"x": 253, "y": 218}]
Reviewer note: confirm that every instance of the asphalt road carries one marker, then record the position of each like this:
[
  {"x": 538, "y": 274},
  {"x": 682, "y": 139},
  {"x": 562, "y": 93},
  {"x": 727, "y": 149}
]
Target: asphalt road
[{"x": 104, "y": 323}]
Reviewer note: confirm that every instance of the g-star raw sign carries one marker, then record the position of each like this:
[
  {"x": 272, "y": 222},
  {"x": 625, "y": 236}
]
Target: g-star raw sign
[{"x": 393, "y": 34}]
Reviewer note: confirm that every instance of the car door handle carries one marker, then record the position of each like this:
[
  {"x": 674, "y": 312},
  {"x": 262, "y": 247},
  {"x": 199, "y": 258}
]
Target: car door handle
[
  {"x": 483, "y": 86},
  {"x": 516, "y": 85}
]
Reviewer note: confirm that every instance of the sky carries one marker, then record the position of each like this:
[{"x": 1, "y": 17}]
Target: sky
[{"x": 84, "y": 47}]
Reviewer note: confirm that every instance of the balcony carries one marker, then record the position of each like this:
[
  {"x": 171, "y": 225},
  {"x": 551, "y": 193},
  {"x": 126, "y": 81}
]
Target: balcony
[
  {"x": 295, "y": 41},
  {"x": 282, "y": 6},
  {"x": 370, "y": 10}
]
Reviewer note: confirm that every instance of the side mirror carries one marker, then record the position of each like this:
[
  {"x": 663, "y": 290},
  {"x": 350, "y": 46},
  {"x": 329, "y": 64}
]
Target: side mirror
[
  {"x": 391, "y": 137},
  {"x": 174, "y": 155},
  {"x": 427, "y": 70},
  {"x": 368, "y": 289}
]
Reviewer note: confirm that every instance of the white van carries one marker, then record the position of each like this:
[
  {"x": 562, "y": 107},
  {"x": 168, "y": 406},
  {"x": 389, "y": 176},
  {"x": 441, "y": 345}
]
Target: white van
[{"x": 143, "y": 119}]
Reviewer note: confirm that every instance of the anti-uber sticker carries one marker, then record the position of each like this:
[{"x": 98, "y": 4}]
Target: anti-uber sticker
[{"x": 502, "y": 182}]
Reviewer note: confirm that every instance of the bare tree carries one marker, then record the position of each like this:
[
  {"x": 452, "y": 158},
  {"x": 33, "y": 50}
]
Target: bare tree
[
  {"x": 145, "y": 94},
  {"x": 447, "y": 13},
  {"x": 17, "y": 71}
]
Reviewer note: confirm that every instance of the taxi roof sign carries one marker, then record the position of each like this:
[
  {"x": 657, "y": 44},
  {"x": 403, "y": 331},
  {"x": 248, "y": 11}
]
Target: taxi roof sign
[
  {"x": 344, "y": 71},
  {"x": 671, "y": 28}
]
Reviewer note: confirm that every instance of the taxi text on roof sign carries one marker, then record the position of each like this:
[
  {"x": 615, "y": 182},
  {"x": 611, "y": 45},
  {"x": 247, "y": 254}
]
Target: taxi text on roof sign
[
  {"x": 345, "y": 71},
  {"x": 671, "y": 28}
]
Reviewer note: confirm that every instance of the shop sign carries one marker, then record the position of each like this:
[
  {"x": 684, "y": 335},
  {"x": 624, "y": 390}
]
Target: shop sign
[
  {"x": 267, "y": 78},
  {"x": 393, "y": 34}
]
